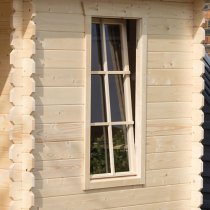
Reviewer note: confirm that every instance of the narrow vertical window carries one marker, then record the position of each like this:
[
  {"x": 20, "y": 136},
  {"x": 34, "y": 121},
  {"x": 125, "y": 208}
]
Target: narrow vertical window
[{"x": 113, "y": 81}]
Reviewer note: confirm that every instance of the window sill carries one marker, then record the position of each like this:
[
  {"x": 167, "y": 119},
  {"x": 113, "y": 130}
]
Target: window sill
[{"x": 114, "y": 182}]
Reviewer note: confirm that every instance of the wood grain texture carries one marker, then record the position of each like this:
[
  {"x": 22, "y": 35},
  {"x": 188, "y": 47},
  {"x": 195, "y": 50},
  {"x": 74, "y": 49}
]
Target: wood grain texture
[
  {"x": 127, "y": 198},
  {"x": 59, "y": 132},
  {"x": 61, "y": 82}
]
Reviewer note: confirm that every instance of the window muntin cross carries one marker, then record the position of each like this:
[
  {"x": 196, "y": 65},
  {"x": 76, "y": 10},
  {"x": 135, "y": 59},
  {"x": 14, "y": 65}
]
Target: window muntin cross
[{"x": 112, "y": 123}]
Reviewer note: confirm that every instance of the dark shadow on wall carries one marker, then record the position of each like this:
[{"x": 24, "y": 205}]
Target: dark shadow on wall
[{"x": 5, "y": 105}]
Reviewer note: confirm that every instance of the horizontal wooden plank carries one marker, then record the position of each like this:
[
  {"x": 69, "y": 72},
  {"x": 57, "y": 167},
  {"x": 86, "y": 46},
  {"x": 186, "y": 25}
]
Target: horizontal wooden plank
[
  {"x": 59, "y": 96},
  {"x": 171, "y": 43},
  {"x": 139, "y": 9},
  {"x": 60, "y": 59},
  {"x": 60, "y": 40},
  {"x": 169, "y": 160},
  {"x": 59, "y": 22},
  {"x": 58, "y": 150},
  {"x": 170, "y": 143},
  {"x": 167, "y": 26},
  {"x": 169, "y": 93},
  {"x": 168, "y": 77},
  {"x": 167, "y": 127},
  {"x": 74, "y": 185},
  {"x": 165, "y": 60},
  {"x": 171, "y": 176},
  {"x": 172, "y": 205},
  {"x": 59, "y": 77},
  {"x": 64, "y": 6},
  {"x": 59, "y": 132},
  {"x": 169, "y": 110},
  {"x": 111, "y": 198},
  {"x": 58, "y": 114},
  {"x": 64, "y": 186},
  {"x": 58, "y": 168}
]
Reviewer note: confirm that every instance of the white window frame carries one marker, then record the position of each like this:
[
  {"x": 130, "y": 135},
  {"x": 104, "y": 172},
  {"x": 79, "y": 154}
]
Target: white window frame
[{"x": 137, "y": 175}]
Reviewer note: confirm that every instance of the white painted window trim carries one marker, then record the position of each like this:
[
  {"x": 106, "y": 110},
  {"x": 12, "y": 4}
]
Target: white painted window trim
[{"x": 125, "y": 178}]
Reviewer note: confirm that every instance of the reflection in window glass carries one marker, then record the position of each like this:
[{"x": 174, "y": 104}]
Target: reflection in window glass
[
  {"x": 113, "y": 47},
  {"x": 120, "y": 146},
  {"x": 117, "y": 101},
  {"x": 98, "y": 108},
  {"x": 100, "y": 162},
  {"x": 96, "y": 57}
]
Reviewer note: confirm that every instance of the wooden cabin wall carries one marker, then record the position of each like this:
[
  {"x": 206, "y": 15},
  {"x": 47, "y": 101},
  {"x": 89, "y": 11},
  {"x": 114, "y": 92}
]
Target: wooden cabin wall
[
  {"x": 60, "y": 105},
  {"x": 5, "y": 105}
]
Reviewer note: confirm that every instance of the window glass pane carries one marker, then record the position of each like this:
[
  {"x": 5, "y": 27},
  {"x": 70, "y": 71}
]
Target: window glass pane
[
  {"x": 117, "y": 101},
  {"x": 120, "y": 146},
  {"x": 96, "y": 56},
  {"x": 113, "y": 47},
  {"x": 98, "y": 107},
  {"x": 100, "y": 161}
]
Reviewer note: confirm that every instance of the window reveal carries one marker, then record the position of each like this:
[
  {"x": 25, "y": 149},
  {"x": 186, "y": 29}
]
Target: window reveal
[{"x": 113, "y": 98}]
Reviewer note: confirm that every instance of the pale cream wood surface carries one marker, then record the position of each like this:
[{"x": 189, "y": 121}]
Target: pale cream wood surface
[
  {"x": 61, "y": 113},
  {"x": 169, "y": 160},
  {"x": 171, "y": 43},
  {"x": 57, "y": 77},
  {"x": 132, "y": 9},
  {"x": 4, "y": 177},
  {"x": 127, "y": 198},
  {"x": 61, "y": 64},
  {"x": 59, "y": 150},
  {"x": 58, "y": 168},
  {"x": 171, "y": 143},
  {"x": 173, "y": 205},
  {"x": 64, "y": 6},
  {"x": 64, "y": 96},
  {"x": 167, "y": 127},
  {"x": 167, "y": 26},
  {"x": 59, "y": 132},
  {"x": 61, "y": 22},
  {"x": 168, "y": 110},
  {"x": 168, "y": 77},
  {"x": 171, "y": 93},
  {"x": 169, "y": 60},
  {"x": 60, "y": 59},
  {"x": 52, "y": 40}
]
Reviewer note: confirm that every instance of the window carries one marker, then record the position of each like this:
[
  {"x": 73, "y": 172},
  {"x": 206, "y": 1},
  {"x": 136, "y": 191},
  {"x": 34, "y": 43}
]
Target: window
[{"x": 115, "y": 152}]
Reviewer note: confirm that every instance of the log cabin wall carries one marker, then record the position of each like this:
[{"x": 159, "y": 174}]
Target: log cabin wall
[
  {"x": 23, "y": 104},
  {"x": 59, "y": 97},
  {"x": 5, "y": 105}
]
